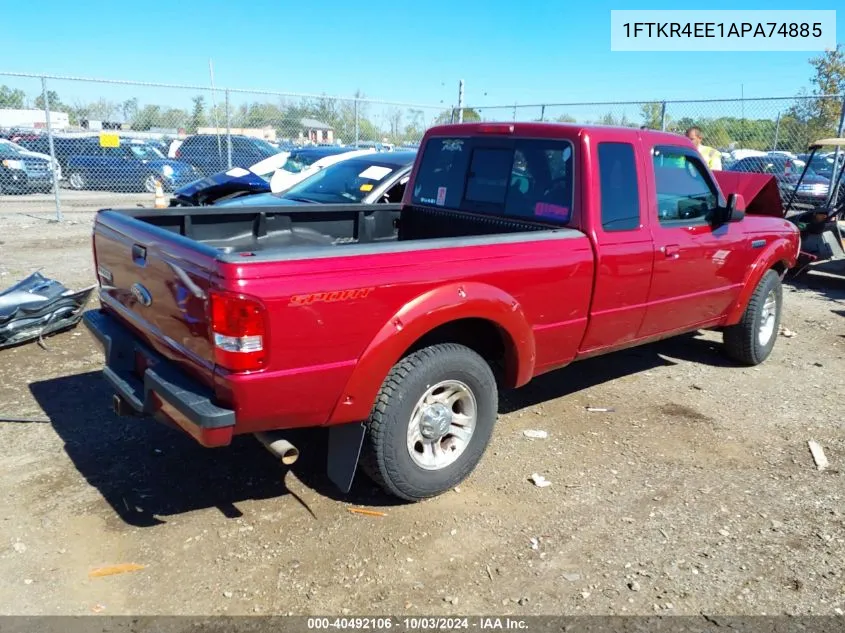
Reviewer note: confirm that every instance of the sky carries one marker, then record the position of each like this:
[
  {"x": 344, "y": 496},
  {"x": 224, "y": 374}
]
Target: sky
[{"x": 507, "y": 51}]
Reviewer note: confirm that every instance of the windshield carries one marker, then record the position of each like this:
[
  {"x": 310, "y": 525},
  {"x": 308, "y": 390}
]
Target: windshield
[
  {"x": 9, "y": 149},
  {"x": 265, "y": 147},
  {"x": 347, "y": 181},
  {"x": 296, "y": 163},
  {"x": 145, "y": 152}
]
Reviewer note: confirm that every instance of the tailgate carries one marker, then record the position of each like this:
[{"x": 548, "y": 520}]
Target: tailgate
[{"x": 156, "y": 282}]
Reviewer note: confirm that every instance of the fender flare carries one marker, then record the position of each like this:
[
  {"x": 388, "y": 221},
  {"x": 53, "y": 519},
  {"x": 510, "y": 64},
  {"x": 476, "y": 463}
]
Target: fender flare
[
  {"x": 779, "y": 251},
  {"x": 420, "y": 316}
]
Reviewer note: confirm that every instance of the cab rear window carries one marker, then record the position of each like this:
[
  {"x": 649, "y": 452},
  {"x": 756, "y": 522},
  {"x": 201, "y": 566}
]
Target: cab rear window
[{"x": 521, "y": 178}]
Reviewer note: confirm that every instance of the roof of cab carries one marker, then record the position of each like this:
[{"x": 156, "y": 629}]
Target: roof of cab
[{"x": 553, "y": 130}]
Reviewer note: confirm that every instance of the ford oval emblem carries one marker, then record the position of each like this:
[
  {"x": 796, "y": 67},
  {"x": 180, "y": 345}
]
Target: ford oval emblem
[{"x": 142, "y": 294}]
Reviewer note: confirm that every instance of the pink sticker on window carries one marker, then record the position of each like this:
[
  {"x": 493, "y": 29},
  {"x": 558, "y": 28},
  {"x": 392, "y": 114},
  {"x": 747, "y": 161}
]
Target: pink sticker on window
[
  {"x": 549, "y": 210},
  {"x": 441, "y": 196}
]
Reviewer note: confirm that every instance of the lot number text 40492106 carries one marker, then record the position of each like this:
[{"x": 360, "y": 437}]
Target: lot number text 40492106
[{"x": 417, "y": 623}]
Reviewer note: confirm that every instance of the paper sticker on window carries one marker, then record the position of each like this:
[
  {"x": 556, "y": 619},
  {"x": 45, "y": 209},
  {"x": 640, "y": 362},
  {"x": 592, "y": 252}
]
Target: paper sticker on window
[
  {"x": 374, "y": 172},
  {"x": 441, "y": 196},
  {"x": 551, "y": 211},
  {"x": 453, "y": 145},
  {"x": 109, "y": 140},
  {"x": 237, "y": 172},
  {"x": 366, "y": 187}
]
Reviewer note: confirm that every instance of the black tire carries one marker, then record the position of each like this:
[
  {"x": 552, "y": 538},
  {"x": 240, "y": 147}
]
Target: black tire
[
  {"x": 742, "y": 341},
  {"x": 386, "y": 455}
]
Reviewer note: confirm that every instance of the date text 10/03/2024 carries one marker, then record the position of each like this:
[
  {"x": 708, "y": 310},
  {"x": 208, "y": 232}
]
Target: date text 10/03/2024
[{"x": 417, "y": 623}]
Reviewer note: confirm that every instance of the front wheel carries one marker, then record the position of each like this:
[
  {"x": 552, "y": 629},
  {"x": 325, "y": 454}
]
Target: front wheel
[
  {"x": 149, "y": 183},
  {"x": 751, "y": 340},
  {"x": 431, "y": 422},
  {"x": 76, "y": 180}
]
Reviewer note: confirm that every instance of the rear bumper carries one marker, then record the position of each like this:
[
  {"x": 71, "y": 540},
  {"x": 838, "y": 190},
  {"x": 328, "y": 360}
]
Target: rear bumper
[{"x": 163, "y": 391}]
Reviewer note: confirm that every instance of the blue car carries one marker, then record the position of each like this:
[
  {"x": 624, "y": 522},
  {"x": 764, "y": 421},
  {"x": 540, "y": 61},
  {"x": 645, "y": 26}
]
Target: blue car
[{"x": 130, "y": 166}]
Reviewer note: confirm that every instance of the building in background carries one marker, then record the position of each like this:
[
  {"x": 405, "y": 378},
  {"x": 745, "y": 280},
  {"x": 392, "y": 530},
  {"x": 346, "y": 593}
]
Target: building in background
[
  {"x": 33, "y": 119},
  {"x": 314, "y": 131}
]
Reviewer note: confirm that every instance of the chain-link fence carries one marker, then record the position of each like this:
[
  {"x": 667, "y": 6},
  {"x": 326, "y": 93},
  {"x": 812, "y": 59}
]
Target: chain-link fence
[
  {"x": 59, "y": 135},
  {"x": 736, "y": 127},
  {"x": 768, "y": 135},
  {"x": 64, "y": 138}
]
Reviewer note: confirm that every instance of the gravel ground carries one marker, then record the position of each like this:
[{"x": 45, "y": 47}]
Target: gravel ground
[{"x": 696, "y": 493}]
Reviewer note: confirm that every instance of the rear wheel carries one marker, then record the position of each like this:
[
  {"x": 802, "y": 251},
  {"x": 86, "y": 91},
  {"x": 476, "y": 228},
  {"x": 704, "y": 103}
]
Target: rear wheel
[
  {"x": 76, "y": 180},
  {"x": 431, "y": 422},
  {"x": 149, "y": 183},
  {"x": 752, "y": 339}
]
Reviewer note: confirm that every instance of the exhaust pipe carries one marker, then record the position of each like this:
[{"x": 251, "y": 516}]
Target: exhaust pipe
[{"x": 279, "y": 446}]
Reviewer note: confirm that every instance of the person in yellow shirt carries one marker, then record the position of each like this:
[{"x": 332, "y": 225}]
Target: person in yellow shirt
[{"x": 710, "y": 155}]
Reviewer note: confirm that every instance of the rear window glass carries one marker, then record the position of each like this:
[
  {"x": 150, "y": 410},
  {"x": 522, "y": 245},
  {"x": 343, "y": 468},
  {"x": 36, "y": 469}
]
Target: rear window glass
[
  {"x": 524, "y": 178},
  {"x": 620, "y": 197}
]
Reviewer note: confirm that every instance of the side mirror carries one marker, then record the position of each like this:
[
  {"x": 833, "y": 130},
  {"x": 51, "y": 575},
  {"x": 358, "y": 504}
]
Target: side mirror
[{"x": 734, "y": 209}]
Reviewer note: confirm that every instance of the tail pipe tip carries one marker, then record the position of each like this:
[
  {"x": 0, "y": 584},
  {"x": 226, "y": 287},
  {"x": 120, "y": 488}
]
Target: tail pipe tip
[{"x": 280, "y": 447}]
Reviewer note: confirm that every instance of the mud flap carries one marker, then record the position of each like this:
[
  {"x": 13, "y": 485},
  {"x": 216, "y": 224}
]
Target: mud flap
[{"x": 345, "y": 442}]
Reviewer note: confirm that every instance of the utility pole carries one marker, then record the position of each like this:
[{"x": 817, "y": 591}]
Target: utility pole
[{"x": 461, "y": 101}]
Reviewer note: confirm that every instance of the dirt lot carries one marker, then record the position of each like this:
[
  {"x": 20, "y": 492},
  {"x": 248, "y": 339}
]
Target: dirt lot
[{"x": 698, "y": 493}]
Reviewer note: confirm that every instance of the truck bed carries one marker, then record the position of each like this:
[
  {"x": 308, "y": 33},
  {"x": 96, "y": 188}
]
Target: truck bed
[{"x": 269, "y": 232}]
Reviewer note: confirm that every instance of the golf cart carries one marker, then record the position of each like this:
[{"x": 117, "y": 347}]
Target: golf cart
[{"x": 819, "y": 222}]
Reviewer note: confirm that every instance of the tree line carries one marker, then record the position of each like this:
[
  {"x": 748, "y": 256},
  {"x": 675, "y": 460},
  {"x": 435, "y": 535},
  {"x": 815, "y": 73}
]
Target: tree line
[{"x": 398, "y": 125}]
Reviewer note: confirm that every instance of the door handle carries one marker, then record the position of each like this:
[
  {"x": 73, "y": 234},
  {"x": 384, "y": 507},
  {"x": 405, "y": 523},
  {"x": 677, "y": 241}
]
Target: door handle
[
  {"x": 139, "y": 254},
  {"x": 671, "y": 251}
]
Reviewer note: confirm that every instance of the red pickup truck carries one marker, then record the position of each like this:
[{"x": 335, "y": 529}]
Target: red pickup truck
[{"x": 518, "y": 248}]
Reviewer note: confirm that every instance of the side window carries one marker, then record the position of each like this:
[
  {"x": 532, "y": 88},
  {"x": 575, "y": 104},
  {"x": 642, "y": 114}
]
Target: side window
[
  {"x": 620, "y": 195},
  {"x": 395, "y": 193},
  {"x": 115, "y": 152},
  {"x": 684, "y": 192}
]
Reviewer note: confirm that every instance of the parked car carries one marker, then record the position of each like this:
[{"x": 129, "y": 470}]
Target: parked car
[
  {"x": 303, "y": 157},
  {"x": 131, "y": 165},
  {"x": 376, "y": 177},
  {"x": 26, "y": 152},
  {"x": 822, "y": 164},
  {"x": 399, "y": 336},
  {"x": 64, "y": 147},
  {"x": 268, "y": 175},
  {"x": 813, "y": 189},
  {"x": 22, "y": 172},
  {"x": 209, "y": 153}
]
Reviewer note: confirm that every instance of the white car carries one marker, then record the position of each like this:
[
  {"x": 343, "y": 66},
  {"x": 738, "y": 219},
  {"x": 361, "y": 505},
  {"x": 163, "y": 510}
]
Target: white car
[
  {"x": 283, "y": 179},
  {"x": 46, "y": 157}
]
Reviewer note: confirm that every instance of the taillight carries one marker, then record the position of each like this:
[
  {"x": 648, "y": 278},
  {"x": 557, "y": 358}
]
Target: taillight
[
  {"x": 238, "y": 329},
  {"x": 177, "y": 153}
]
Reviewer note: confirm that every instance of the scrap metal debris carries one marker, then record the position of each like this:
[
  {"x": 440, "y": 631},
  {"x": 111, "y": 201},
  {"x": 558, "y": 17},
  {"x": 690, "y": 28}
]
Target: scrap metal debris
[
  {"x": 818, "y": 454},
  {"x": 114, "y": 569},
  {"x": 601, "y": 409},
  {"x": 540, "y": 481},
  {"x": 37, "y": 307},
  {"x": 535, "y": 434},
  {"x": 370, "y": 513}
]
